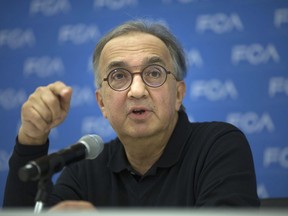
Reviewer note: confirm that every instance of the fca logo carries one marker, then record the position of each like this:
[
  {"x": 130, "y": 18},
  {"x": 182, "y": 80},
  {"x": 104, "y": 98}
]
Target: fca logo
[{"x": 254, "y": 54}]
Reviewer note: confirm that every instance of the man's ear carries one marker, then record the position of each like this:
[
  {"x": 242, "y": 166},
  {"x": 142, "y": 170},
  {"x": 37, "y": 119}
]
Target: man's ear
[
  {"x": 100, "y": 101},
  {"x": 181, "y": 90}
]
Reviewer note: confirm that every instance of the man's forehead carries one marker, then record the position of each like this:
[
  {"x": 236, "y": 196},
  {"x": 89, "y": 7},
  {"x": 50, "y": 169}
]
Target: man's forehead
[
  {"x": 122, "y": 50},
  {"x": 134, "y": 39}
]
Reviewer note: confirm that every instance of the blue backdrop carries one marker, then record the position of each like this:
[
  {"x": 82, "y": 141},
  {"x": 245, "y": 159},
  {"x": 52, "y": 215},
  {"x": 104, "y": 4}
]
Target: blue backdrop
[{"x": 237, "y": 53}]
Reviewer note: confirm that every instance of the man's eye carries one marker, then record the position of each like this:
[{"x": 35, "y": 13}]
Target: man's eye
[
  {"x": 153, "y": 74},
  {"x": 119, "y": 76}
]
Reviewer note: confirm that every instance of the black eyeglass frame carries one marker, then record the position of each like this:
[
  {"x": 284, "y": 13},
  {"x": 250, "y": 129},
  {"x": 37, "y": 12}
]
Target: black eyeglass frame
[{"x": 106, "y": 79}]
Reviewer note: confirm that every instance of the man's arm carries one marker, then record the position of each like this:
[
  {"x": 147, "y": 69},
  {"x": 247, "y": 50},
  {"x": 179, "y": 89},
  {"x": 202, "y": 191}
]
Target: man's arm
[
  {"x": 45, "y": 109},
  {"x": 18, "y": 193}
]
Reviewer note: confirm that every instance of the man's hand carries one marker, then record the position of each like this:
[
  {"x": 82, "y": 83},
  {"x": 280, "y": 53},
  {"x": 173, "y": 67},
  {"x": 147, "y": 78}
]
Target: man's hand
[
  {"x": 73, "y": 206},
  {"x": 46, "y": 108}
]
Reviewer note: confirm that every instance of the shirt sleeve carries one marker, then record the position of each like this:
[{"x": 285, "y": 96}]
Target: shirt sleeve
[
  {"x": 18, "y": 193},
  {"x": 227, "y": 176}
]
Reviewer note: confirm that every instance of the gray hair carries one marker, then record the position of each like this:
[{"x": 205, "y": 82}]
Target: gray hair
[{"x": 143, "y": 26}]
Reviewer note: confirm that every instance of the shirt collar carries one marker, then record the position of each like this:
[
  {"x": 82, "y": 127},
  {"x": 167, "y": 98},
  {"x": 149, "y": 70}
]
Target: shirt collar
[{"x": 118, "y": 160}]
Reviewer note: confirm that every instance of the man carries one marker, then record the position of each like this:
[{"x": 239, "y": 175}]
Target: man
[{"x": 159, "y": 158}]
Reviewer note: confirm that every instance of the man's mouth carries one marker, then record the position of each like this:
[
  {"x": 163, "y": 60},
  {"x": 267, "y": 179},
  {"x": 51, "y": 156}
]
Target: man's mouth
[{"x": 138, "y": 111}]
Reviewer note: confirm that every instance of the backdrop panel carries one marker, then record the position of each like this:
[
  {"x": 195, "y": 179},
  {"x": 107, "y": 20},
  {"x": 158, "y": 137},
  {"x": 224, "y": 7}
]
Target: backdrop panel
[{"x": 237, "y": 53}]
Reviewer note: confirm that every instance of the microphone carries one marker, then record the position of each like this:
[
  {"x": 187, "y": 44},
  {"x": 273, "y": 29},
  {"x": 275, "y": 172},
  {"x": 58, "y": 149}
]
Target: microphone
[{"x": 88, "y": 147}]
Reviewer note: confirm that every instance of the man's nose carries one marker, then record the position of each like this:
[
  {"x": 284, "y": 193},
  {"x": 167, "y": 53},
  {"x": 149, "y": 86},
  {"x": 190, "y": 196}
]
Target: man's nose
[{"x": 138, "y": 87}]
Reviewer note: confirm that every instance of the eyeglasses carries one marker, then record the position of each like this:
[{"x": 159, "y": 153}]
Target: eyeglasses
[{"x": 121, "y": 79}]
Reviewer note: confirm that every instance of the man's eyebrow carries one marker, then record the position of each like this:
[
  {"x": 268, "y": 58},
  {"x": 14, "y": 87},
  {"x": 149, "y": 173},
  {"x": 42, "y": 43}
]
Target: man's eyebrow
[
  {"x": 153, "y": 60},
  {"x": 116, "y": 64}
]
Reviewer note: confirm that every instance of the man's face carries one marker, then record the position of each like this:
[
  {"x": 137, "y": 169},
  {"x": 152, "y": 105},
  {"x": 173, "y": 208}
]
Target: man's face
[{"x": 140, "y": 111}]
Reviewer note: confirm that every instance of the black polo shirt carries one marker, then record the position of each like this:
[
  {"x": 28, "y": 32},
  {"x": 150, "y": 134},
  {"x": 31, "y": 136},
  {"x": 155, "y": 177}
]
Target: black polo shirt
[{"x": 203, "y": 164}]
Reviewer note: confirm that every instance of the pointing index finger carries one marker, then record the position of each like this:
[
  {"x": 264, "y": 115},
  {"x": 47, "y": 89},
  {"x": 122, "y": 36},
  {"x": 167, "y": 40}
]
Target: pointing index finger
[{"x": 64, "y": 92}]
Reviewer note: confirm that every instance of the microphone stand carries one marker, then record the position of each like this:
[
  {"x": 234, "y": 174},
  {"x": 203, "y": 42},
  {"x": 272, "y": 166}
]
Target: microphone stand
[
  {"x": 42, "y": 195},
  {"x": 56, "y": 164}
]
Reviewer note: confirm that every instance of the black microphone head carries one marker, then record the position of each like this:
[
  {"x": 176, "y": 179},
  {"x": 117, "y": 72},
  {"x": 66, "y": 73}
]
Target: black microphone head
[
  {"x": 28, "y": 172},
  {"x": 94, "y": 145}
]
